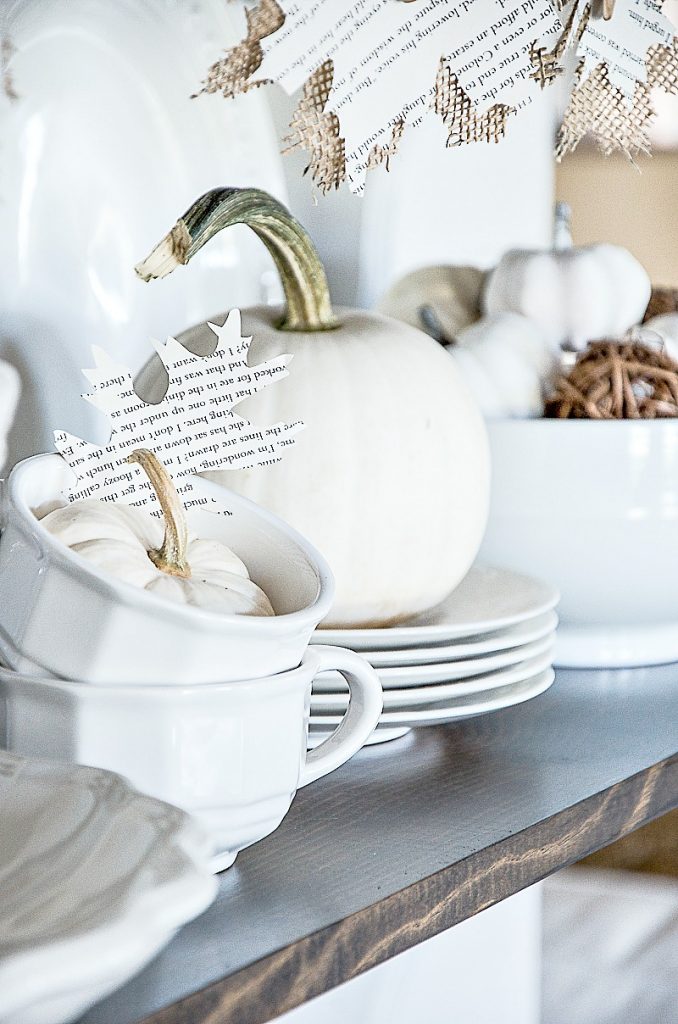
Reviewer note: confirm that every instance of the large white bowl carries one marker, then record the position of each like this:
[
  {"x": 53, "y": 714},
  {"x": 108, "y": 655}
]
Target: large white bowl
[
  {"x": 592, "y": 507},
  {"x": 62, "y": 616}
]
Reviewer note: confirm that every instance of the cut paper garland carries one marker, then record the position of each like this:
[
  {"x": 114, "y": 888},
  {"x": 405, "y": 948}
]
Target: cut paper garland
[
  {"x": 192, "y": 430},
  {"x": 368, "y": 70}
]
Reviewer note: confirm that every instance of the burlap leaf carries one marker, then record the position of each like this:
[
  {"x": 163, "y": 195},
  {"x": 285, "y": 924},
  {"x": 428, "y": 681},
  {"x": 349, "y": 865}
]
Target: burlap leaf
[
  {"x": 598, "y": 109},
  {"x": 381, "y": 154},
  {"x": 547, "y": 63},
  {"x": 460, "y": 116},
  {"x": 233, "y": 73},
  {"x": 317, "y": 130}
]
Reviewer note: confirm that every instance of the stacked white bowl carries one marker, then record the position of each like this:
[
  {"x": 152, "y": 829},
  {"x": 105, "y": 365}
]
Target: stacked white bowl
[{"x": 206, "y": 711}]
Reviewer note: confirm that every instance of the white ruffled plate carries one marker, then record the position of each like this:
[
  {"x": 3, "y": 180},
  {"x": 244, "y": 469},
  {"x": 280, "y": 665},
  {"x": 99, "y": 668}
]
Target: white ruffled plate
[{"x": 95, "y": 879}]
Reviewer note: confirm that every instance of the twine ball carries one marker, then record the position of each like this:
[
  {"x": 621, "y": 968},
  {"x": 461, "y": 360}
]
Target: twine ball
[{"x": 614, "y": 380}]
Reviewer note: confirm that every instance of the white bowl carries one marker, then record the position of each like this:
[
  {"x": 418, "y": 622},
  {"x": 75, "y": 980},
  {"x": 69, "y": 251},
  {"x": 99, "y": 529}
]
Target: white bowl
[
  {"x": 232, "y": 754},
  {"x": 60, "y": 615},
  {"x": 592, "y": 507}
]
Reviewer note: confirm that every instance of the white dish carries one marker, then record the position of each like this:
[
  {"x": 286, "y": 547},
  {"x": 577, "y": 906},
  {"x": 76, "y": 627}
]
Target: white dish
[
  {"x": 416, "y": 696},
  {"x": 49, "y": 596},
  {"x": 491, "y": 643},
  {"x": 96, "y": 879},
  {"x": 428, "y": 675},
  {"x": 593, "y": 506},
  {"x": 437, "y": 714},
  {"x": 488, "y": 599},
  {"x": 382, "y": 734},
  {"x": 229, "y": 753}
]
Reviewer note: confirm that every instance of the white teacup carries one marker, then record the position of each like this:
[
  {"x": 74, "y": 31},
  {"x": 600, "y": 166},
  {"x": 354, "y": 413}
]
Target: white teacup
[
  {"x": 62, "y": 617},
  {"x": 233, "y": 754}
]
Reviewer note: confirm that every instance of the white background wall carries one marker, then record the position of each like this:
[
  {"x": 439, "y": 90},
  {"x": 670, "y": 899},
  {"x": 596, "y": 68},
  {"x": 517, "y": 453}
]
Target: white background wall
[{"x": 435, "y": 205}]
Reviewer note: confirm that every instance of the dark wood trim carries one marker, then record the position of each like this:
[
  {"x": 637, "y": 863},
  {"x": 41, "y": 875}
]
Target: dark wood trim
[{"x": 332, "y": 955}]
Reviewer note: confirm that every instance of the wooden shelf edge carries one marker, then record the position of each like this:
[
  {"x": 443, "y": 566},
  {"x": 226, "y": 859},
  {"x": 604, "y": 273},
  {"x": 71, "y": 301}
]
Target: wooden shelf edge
[{"x": 335, "y": 954}]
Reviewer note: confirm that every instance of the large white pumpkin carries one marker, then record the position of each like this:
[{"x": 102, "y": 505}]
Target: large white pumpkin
[
  {"x": 574, "y": 294},
  {"x": 390, "y": 478}
]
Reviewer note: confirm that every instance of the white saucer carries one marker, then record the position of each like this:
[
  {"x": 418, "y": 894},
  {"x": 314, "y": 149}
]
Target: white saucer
[
  {"x": 96, "y": 879},
  {"x": 382, "y": 734},
  {"x": 443, "y": 672},
  {"x": 491, "y": 643},
  {"x": 438, "y": 713},
  {"x": 486, "y": 600}
]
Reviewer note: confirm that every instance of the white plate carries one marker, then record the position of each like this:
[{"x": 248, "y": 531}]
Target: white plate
[
  {"x": 437, "y": 714},
  {"x": 486, "y": 600},
  {"x": 445, "y": 672},
  {"x": 491, "y": 643},
  {"x": 395, "y": 700},
  {"x": 96, "y": 879}
]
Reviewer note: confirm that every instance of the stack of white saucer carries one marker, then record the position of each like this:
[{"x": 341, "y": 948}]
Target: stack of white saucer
[{"x": 488, "y": 646}]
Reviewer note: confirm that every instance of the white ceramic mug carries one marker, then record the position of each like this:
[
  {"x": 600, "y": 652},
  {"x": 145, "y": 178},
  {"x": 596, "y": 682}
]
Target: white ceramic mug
[
  {"x": 62, "y": 617},
  {"x": 233, "y": 754}
]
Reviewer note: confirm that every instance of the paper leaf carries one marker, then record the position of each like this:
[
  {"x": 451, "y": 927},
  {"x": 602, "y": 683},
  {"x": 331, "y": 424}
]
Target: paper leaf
[
  {"x": 368, "y": 70},
  {"x": 622, "y": 43},
  {"x": 192, "y": 430}
]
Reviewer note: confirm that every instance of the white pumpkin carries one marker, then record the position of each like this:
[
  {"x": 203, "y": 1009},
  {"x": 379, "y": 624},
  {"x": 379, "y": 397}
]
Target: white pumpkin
[
  {"x": 507, "y": 362},
  {"x": 574, "y": 294},
  {"x": 390, "y": 478},
  {"x": 665, "y": 326},
  {"x": 453, "y": 293},
  {"x": 128, "y": 544}
]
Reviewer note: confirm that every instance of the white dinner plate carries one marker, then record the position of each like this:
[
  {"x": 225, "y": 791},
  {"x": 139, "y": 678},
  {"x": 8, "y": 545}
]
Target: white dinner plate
[
  {"x": 96, "y": 879},
  {"x": 445, "y": 672},
  {"x": 491, "y": 643},
  {"x": 470, "y": 707},
  {"x": 488, "y": 599},
  {"x": 416, "y": 696}
]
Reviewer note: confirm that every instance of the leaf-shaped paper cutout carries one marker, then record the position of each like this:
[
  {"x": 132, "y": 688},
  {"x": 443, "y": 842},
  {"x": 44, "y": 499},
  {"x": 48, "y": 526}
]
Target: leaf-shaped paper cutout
[{"x": 193, "y": 429}]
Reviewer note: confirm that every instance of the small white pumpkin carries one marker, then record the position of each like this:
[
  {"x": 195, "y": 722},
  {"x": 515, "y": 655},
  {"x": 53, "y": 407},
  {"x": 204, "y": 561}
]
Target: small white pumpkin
[
  {"x": 666, "y": 327},
  {"x": 575, "y": 294},
  {"x": 390, "y": 478},
  {"x": 507, "y": 362},
  {"x": 453, "y": 293},
  {"x": 128, "y": 543}
]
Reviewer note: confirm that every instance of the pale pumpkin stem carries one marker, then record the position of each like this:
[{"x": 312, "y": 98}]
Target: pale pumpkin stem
[
  {"x": 562, "y": 233},
  {"x": 171, "y": 557},
  {"x": 307, "y": 295}
]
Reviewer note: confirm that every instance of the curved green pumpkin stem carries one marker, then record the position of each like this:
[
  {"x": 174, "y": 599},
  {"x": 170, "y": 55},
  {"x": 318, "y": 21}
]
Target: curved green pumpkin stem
[
  {"x": 171, "y": 556},
  {"x": 307, "y": 295}
]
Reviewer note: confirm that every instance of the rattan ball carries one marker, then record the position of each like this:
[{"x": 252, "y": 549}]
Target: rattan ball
[{"x": 617, "y": 380}]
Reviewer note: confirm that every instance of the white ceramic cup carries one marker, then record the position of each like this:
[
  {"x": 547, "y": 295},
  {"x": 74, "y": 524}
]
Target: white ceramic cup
[
  {"x": 233, "y": 754},
  {"x": 62, "y": 617}
]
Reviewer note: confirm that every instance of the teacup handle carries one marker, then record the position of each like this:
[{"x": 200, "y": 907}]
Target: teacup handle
[{"x": 365, "y": 704}]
